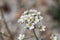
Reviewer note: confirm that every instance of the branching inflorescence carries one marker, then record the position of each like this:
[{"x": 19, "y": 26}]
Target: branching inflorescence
[{"x": 30, "y": 18}]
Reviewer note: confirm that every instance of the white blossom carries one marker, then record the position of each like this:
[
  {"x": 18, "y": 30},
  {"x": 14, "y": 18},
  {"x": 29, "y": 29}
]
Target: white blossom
[
  {"x": 30, "y": 26},
  {"x": 28, "y": 18},
  {"x": 21, "y": 36},
  {"x": 42, "y": 28},
  {"x": 53, "y": 37},
  {"x": 36, "y": 20}
]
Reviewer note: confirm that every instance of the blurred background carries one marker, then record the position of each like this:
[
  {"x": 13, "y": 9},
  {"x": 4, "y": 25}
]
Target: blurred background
[{"x": 11, "y": 10}]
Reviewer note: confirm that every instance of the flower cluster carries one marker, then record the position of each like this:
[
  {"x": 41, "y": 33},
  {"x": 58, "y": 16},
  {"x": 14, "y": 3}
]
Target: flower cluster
[
  {"x": 53, "y": 37},
  {"x": 30, "y": 18},
  {"x": 21, "y": 36}
]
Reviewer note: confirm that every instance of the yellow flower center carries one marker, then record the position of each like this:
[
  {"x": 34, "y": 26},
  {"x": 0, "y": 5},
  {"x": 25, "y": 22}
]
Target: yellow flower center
[
  {"x": 30, "y": 24},
  {"x": 28, "y": 18}
]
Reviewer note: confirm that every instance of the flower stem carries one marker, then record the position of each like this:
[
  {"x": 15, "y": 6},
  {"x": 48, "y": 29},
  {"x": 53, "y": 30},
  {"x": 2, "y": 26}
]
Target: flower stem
[{"x": 35, "y": 35}]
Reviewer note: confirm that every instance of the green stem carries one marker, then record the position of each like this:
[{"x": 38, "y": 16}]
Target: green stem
[{"x": 35, "y": 35}]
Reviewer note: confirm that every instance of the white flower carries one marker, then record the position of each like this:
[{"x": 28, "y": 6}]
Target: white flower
[
  {"x": 30, "y": 26},
  {"x": 42, "y": 28},
  {"x": 36, "y": 20},
  {"x": 21, "y": 36},
  {"x": 53, "y": 37},
  {"x": 28, "y": 18}
]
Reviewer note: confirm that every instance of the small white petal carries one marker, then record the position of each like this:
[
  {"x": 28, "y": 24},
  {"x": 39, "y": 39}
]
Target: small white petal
[
  {"x": 26, "y": 12},
  {"x": 41, "y": 17},
  {"x": 22, "y": 17},
  {"x": 55, "y": 38},
  {"x": 36, "y": 21},
  {"x": 33, "y": 10},
  {"x": 43, "y": 29},
  {"x": 20, "y": 20},
  {"x": 32, "y": 27}
]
